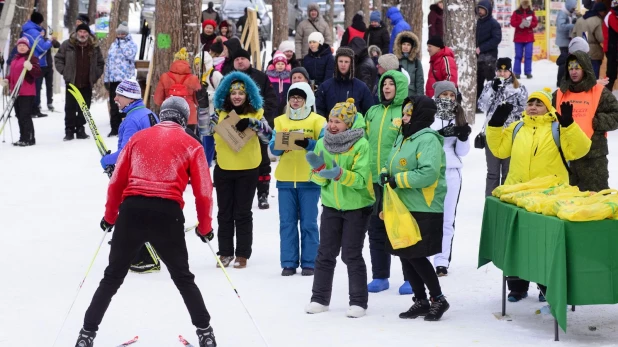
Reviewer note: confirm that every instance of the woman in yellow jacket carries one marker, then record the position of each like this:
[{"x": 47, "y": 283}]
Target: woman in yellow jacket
[
  {"x": 539, "y": 145},
  {"x": 236, "y": 173},
  {"x": 298, "y": 196}
]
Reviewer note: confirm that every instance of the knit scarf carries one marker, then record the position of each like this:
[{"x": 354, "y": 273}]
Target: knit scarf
[
  {"x": 342, "y": 142},
  {"x": 446, "y": 108}
]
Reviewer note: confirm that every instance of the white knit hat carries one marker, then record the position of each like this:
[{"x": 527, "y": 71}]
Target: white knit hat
[
  {"x": 129, "y": 89},
  {"x": 287, "y": 46},
  {"x": 317, "y": 37}
]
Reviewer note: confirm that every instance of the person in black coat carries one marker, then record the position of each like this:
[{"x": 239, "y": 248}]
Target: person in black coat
[
  {"x": 232, "y": 45},
  {"x": 488, "y": 37},
  {"x": 377, "y": 33},
  {"x": 357, "y": 29},
  {"x": 320, "y": 64},
  {"x": 365, "y": 70}
]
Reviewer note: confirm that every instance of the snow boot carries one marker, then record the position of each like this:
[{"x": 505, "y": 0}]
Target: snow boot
[
  {"x": 355, "y": 312},
  {"x": 307, "y": 271},
  {"x": 69, "y": 135},
  {"x": 263, "y": 202},
  {"x": 438, "y": 307},
  {"x": 314, "y": 307},
  {"x": 441, "y": 271},
  {"x": 406, "y": 289},
  {"x": 22, "y": 143},
  {"x": 38, "y": 113},
  {"x": 81, "y": 134},
  {"x": 420, "y": 308},
  {"x": 225, "y": 260},
  {"x": 378, "y": 285},
  {"x": 85, "y": 338},
  {"x": 240, "y": 263},
  {"x": 114, "y": 132},
  {"x": 518, "y": 76},
  {"x": 288, "y": 271},
  {"x": 206, "y": 337},
  {"x": 517, "y": 296},
  {"x": 529, "y": 76}
]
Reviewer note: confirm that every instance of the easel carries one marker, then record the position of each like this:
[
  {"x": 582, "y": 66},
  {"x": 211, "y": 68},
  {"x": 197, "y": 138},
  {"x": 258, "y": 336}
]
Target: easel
[
  {"x": 149, "y": 81},
  {"x": 250, "y": 39}
]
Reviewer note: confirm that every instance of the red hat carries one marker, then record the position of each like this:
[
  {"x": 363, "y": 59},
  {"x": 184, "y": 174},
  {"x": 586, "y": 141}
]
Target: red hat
[
  {"x": 224, "y": 24},
  {"x": 279, "y": 57},
  {"x": 24, "y": 41},
  {"x": 209, "y": 22}
]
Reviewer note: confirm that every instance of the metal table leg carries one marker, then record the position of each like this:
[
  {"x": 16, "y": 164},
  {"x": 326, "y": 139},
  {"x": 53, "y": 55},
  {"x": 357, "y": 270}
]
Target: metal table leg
[
  {"x": 556, "y": 332},
  {"x": 503, "y": 295}
]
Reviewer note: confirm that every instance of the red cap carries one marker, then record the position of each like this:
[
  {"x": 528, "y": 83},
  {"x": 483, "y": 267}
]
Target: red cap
[{"x": 209, "y": 22}]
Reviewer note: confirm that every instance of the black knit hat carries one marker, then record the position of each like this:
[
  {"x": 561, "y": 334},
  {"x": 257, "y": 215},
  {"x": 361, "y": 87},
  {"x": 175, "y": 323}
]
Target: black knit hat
[
  {"x": 242, "y": 53},
  {"x": 435, "y": 41},
  {"x": 83, "y": 27},
  {"x": 408, "y": 39},
  {"x": 83, "y": 18},
  {"x": 36, "y": 18},
  {"x": 504, "y": 64},
  {"x": 297, "y": 92}
]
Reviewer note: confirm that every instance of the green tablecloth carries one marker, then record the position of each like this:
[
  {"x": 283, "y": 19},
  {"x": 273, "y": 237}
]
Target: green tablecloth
[{"x": 577, "y": 261}]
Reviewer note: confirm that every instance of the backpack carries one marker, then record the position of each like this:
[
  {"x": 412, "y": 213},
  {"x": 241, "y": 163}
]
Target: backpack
[
  {"x": 555, "y": 132},
  {"x": 179, "y": 89}
]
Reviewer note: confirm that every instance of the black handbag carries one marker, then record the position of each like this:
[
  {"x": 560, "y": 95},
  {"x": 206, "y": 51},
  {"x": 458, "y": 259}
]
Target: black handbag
[{"x": 479, "y": 141}]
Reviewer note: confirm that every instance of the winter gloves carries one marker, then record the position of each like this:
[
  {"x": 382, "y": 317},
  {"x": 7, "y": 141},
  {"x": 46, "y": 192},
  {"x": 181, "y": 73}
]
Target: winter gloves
[
  {"x": 105, "y": 225},
  {"x": 205, "y": 238},
  {"x": 501, "y": 114},
  {"x": 463, "y": 132},
  {"x": 331, "y": 174},
  {"x": 565, "y": 117},
  {"x": 496, "y": 84},
  {"x": 242, "y": 124},
  {"x": 316, "y": 162},
  {"x": 385, "y": 178},
  {"x": 28, "y": 65},
  {"x": 4, "y": 82},
  {"x": 304, "y": 143}
]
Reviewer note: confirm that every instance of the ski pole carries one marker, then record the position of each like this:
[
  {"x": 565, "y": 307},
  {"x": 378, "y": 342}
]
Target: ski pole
[
  {"x": 237, "y": 295},
  {"x": 81, "y": 284}
]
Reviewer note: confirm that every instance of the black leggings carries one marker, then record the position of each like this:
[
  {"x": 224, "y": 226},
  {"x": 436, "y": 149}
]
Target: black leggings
[{"x": 421, "y": 273}]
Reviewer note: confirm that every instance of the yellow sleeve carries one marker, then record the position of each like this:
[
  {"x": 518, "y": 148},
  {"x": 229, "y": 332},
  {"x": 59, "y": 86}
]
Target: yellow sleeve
[
  {"x": 574, "y": 142},
  {"x": 500, "y": 140}
]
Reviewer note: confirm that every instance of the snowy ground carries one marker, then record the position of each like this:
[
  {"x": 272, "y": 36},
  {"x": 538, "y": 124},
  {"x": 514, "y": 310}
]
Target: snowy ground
[{"x": 52, "y": 199}]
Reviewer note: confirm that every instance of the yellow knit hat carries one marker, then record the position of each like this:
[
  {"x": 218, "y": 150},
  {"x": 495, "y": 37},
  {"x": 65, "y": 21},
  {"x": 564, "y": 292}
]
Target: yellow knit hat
[
  {"x": 545, "y": 97},
  {"x": 181, "y": 54},
  {"x": 346, "y": 111}
]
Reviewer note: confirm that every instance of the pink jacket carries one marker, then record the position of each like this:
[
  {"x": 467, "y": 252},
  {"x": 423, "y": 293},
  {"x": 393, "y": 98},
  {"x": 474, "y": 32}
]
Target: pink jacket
[{"x": 28, "y": 87}]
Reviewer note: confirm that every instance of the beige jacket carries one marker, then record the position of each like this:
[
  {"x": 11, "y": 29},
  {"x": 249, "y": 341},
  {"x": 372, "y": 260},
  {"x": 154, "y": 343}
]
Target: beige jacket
[
  {"x": 593, "y": 27},
  {"x": 306, "y": 27}
]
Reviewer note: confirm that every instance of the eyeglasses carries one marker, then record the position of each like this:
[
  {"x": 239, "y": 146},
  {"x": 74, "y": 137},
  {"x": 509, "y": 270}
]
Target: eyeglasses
[{"x": 296, "y": 98}]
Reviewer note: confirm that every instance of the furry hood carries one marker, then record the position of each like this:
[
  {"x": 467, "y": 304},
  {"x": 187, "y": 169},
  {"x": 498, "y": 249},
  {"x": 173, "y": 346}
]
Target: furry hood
[
  {"x": 92, "y": 41},
  {"x": 589, "y": 79},
  {"x": 253, "y": 93},
  {"x": 415, "y": 49},
  {"x": 313, "y": 6}
]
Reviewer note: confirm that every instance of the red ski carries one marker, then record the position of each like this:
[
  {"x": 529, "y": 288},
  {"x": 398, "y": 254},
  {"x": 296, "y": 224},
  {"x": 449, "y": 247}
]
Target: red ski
[
  {"x": 130, "y": 342},
  {"x": 184, "y": 342}
]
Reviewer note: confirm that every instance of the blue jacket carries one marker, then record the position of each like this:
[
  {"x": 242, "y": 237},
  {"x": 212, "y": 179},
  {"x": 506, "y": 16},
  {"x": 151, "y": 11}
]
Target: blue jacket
[
  {"x": 488, "y": 31},
  {"x": 564, "y": 25},
  {"x": 399, "y": 25},
  {"x": 336, "y": 89},
  {"x": 138, "y": 118},
  {"x": 31, "y": 31},
  {"x": 121, "y": 60},
  {"x": 320, "y": 65}
]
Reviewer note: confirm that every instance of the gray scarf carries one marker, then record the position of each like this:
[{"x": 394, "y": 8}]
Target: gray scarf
[{"x": 342, "y": 142}]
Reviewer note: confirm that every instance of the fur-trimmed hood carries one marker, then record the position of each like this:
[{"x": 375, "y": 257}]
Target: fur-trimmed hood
[
  {"x": 92, "y": 41},
  {"x": 253, "y": 93},
  {"x": 415, "y": 48},
  {"x": 589, "y": 79}
]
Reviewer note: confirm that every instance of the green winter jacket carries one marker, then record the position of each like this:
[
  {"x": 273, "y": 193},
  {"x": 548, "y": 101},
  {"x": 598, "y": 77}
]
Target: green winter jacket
[
  {"x": 418, "y": 165},
  {"x": 383, "y": 123},
  {"x": 354, "y": 189}
]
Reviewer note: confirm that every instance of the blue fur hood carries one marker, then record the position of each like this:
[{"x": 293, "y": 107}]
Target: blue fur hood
[{"x": 253, "y": 93}]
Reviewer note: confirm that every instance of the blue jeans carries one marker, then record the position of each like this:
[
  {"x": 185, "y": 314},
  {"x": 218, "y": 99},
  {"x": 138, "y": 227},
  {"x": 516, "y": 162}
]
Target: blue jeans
[
  {"x": 298, "y": 204},
  {"x": 596, "y": 66},
  {"x": 522, "y": 48}
]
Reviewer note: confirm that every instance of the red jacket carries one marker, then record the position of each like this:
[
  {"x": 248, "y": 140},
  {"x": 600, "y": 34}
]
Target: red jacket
[
  {"x": 28, "y": 87},
  {"x": 180, "y": 72},
  {"x": 610, "y": 22},
  {"x": 442, "y": 67},
  {"x": 158, "y": 162},
  {"x": 526, "y": 34}
]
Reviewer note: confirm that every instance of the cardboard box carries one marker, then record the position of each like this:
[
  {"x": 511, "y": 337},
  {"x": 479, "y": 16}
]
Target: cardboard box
[
  {"x": 234, "y": 138},
  {"x": 285, "y": 141}
]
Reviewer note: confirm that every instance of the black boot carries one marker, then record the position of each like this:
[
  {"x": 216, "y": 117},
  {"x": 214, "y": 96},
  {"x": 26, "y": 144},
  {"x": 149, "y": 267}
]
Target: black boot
[
  {"x": 438, "y": 307},
  {"x": 69, "y": 135},
  {"x": 39, "y": 114},
  {"x": 81, "y": 133},
  {"x": 114, "y": 132},
  {"x": 206, "y": 337},
  {"x": 263, "y": 201},
  {"x": 420, "y": 308},
  {"x": 85, "y": 338}
]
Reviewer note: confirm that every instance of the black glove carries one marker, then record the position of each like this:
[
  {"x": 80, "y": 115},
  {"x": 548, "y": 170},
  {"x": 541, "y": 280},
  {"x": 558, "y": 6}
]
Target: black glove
[
  {"x": 496, "y": 84},
  {"x": 392, "y": 182},
  {"x": 106, "y": 84},
  {"x": 304, "y": 143},
  {"x": 463, "y": 132},
  {"x": 500, "y": 115},
  {"x": 565, "y": 117},
  {"x": 209, "y": 236},
  {"x": 242, "y": 124},
  {"x": 385, "y": 178},
  {"x": 105, "y": 225}
]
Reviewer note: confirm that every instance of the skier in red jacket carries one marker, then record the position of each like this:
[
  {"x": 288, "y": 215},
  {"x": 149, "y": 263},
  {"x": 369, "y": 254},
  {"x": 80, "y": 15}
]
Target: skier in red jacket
[
  {"x": 151, "y": 175},
  {"x": 442, "y": 66}
]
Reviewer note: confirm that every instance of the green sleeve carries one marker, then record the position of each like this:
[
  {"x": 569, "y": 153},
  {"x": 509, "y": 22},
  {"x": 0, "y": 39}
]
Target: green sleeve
[
  {"x": 358, "y": 174},
  {"x": 429, "y": 159}
]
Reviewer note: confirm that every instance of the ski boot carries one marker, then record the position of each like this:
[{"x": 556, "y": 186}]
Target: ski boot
[
  {"x": 81, "y": 134},
  {"x": 378, "y": 285},
  {"x": 206, "y": 337},
  {"x": 39, "y": 114},
  {"x": 263, "y": 202},
  {"x": 438, "y": 307},
  {"x": 85, "y": 338},
  {"x": 420, "y": 308},
  {"x": 114, "y": 132},
  {"x": 529, "y": 76},
  {"x": 144, "y": 268}
]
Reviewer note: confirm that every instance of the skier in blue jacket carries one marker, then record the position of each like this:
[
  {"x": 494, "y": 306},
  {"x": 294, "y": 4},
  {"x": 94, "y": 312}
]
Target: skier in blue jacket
[{"x": 399, "y": 25}]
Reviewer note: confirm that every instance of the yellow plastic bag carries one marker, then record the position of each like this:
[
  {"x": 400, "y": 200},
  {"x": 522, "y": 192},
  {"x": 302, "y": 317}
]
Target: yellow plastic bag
[
  {"x": 401, "y": 227},
  {"x": 584, "y": 213},
  {"x": 536, "y": 183}
]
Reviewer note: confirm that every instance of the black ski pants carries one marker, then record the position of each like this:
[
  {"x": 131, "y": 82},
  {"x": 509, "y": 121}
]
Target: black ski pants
[
  {"x": 342, "y": 231},
  {"x": 421, "y": 273},
  {"x": 24, "y": 108},
  {"x": 161, "y": 222},
  {"x": 485, "y": 71},
  {"x": 73, "y": 116},
  {"x": 115, "y": 116},
  {"x": 235, "y": 192}
]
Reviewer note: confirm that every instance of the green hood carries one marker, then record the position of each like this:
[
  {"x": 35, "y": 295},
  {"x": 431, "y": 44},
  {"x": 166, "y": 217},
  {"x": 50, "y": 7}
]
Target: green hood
[
  {"x": 401, "y": 86},
  {"x": 589, "y": 79}
]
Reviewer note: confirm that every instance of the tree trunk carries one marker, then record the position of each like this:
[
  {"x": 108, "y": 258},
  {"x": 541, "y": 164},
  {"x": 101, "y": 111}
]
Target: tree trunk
[
  {"x": 460, "y": 14},
  {"x": 72, "y": 15},
  {"x": 92, "y": 10},
  {"x": 23, "y": 10},
  {"x": 168, "y": 40},
  {"x": 41, "y": 8},
  {"x": 191, "y": 25},
  {"x": 364, "y": 6},
  {"x": 280, "y": 22},
  {"x": 123, "y": 11},
  {"x": 412, "y": 12},
  {"x": 377, "y": 5},
  {"x": 349, "y": 12},
  {"x": 331, "y": 18}
]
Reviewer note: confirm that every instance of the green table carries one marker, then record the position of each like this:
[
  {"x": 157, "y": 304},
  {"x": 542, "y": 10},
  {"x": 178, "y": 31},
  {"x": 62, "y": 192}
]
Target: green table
[{"x": 577, "y": 261}]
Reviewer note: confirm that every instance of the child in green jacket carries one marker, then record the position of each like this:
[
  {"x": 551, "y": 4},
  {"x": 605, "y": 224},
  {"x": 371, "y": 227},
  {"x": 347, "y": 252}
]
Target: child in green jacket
[{"x": 340, "y": 165}]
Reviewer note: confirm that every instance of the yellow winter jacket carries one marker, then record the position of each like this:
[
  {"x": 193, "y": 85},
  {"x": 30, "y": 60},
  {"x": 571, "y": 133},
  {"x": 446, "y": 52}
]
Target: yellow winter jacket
[
  {"x": 533, "y": 152},
  {"x": 249, "y": 157}
]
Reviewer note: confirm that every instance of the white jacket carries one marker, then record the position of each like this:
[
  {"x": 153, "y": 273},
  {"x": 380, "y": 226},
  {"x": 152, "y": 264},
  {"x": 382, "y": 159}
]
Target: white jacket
[{"x": 453, "y": 147}]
